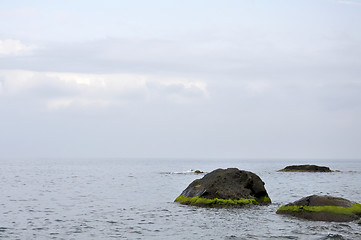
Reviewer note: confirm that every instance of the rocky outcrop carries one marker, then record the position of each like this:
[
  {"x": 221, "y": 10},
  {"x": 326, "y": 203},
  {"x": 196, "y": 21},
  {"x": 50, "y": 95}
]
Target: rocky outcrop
[
  {"x": 305, "y": 168},
  {"x": 323, "y": 208},
  {"x": 231, "y": 187}
]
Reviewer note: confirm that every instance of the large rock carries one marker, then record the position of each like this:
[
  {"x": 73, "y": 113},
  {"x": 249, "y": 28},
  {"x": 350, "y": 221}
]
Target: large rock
[
  {"x": 323, "y": 208},
  {"x": 225, "y": 187},
  {"x": 305, "y": 168}
]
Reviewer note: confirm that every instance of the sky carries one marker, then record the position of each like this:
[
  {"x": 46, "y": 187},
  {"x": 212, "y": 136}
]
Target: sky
[{"x": 180, "y": 79}]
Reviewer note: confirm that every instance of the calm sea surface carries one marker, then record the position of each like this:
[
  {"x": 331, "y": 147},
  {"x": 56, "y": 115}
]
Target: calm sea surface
[{"x": 133, "y": 199}]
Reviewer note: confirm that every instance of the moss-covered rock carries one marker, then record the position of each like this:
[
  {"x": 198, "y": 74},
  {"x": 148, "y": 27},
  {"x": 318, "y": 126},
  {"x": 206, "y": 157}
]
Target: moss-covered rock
[
  {"x": 305, "y": 168},
  {"x": 323, "y": 208},
  {"x": 225, "y": 187}
]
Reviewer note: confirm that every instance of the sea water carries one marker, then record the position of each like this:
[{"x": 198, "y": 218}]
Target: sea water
[{"x": 134, "y": 199}]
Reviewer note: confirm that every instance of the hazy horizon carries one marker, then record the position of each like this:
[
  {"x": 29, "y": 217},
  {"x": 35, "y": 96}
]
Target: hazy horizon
[{"x": 181, "y": 79}]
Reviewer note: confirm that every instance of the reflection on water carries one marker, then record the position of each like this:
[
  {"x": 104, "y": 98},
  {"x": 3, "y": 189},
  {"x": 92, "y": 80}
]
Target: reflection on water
[{"x": 120, "y": 199}]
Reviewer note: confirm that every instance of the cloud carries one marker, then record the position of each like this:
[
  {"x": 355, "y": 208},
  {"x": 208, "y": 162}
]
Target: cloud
[
  {"x": 1, "y": 85},
  {"x": 58, "y": 90},
  {"x": 257, "y": 87},
  {"x": 20, "y": 13},
  {"x": 63, "y": 103},
  {"x": 14, "y": 47},
  {"x": 350, "y": 3},
  {"x": 242, "y": 56}
]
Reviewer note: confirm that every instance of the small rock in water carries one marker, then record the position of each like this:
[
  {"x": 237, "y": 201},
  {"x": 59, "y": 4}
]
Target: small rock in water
[
  {"x": 305, "y": 168},
  {"x": 323, "y": 208}
]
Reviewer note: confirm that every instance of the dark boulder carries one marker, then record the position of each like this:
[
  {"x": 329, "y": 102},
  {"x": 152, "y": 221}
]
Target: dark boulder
[
  {"x": 305, "y": 168},
  {"x": 323, "y": 208},
  {"x": 225, "y": 187}
]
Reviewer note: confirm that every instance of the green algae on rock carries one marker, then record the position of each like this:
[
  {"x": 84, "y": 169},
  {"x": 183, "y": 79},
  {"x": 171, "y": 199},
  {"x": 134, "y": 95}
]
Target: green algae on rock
[
  {"x": 225, "y": 187},
  {"x": 215, "y": 202},
  {"x": 323, "y": 208}
]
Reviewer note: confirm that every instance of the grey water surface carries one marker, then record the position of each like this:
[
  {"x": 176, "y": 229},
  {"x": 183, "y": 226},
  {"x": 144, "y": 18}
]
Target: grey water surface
[{"x": 133, "y": 199}]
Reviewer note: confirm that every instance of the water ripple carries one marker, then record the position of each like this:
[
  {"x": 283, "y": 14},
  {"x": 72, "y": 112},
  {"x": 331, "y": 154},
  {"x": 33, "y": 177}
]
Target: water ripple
[{"x": 134, "y": 200}]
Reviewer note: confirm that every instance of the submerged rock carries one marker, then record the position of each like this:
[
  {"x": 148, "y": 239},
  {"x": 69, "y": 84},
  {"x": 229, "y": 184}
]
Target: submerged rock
[
  {"x": 323, "y": 208},
  {"x": 231, "y": 187},
  {"x": 305, "y": 168}
]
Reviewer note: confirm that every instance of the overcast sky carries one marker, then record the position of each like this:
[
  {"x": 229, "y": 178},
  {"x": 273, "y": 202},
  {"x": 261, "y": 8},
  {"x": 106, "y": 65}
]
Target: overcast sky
[{"x": 200, "y": 79}]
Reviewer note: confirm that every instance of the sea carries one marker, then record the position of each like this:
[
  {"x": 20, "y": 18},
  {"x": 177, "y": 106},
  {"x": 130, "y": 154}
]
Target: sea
[{"x": 134, "y": 199}]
